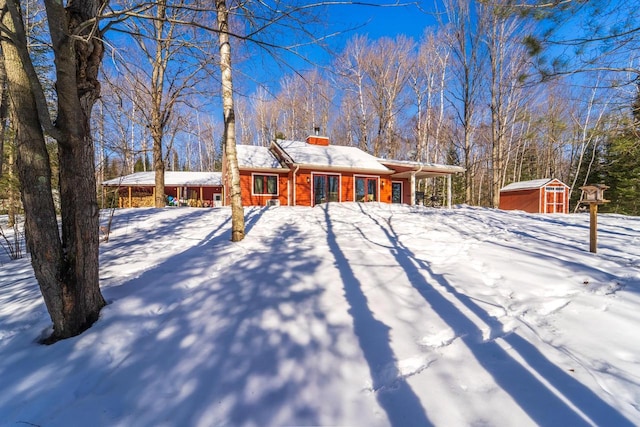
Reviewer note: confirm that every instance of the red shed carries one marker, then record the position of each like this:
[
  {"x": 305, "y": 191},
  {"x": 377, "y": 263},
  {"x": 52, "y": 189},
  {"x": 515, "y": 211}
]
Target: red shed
[{"x": 536, "y": 196}]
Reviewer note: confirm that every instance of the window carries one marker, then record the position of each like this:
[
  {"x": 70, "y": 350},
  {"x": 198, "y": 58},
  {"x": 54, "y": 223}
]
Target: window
[
  {"x": 325, "y": 188},
  {"x": 366, "y": 189},
  {"x": 265, "y": 184}
]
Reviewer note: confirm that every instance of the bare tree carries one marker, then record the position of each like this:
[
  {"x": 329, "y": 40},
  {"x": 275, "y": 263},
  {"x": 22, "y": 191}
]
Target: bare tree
[
  {"x": 65, "y": 264},
  {"x": 467, "y": 61},
  {"x": 265, "y": 117},
  {"x": 304, "y": 103},
  {"x": 427, "y": 79},
  {"x": 387, "y": 66},
  {"x": 176, "y": 56},
  {"x": 506, "y": 68},
  {"x": 354, "y": 81}
]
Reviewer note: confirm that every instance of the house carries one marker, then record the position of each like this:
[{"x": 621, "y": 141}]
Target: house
[
  {"x": 181, "y": 188},
  {"x": 536, "y": 196},
  {"x": 311, "y": 172}
]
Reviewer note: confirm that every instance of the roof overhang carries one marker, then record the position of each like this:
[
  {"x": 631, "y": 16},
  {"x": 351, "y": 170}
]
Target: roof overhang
[
  {"x": 329, "y": 168},
  {"x": 404, "y": 169},
  {"x": 270, "y": 170},
  {"x": 172, "y": 179},
  {"x": 534, "y": 184}
]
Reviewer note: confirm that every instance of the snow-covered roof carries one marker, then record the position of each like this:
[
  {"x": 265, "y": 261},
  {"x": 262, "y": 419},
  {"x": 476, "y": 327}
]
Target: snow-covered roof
[
  {"x": 256, "y": 157},
  {"x": 171, "y": 178},
  {"x": 422, "y": 166},
  {"x": 336, "y": 156},
  {"x": 528, "y": 185}
]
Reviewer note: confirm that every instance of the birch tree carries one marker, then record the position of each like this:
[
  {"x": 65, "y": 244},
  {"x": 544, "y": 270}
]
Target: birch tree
[
  {"x": 427, "y": 80},
  {"x": 387, "y": 65},
  {"x": 506, "y": 67},
  {"x": 467, "y": 61},
  {"x": 353, "y": 79},
  {"x": 233, "y": 171}
]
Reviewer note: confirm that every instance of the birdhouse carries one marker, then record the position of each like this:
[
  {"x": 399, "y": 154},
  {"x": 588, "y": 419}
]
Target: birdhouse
[{"x": 593, "y": 194}]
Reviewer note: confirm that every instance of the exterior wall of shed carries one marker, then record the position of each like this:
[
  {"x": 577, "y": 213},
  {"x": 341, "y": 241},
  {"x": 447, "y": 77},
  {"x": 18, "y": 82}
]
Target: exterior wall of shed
[
  {"x": 532, "y": 200},
  {"x": 524, "y": 200}
]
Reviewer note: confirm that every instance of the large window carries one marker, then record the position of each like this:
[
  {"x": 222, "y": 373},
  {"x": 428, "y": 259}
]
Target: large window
[
  {"x": 326, "y": 188},
  {"x": 265, "y": 184},
  {"x": 366, "y": 189}
]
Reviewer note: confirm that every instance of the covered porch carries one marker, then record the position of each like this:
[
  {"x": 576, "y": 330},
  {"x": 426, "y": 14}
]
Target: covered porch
[
  {"x": 195, "y": 189},
  {"x": 411, "y": 172}
]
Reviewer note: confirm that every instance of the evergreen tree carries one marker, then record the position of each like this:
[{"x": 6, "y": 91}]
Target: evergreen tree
[{"x": 622, "y": 160}]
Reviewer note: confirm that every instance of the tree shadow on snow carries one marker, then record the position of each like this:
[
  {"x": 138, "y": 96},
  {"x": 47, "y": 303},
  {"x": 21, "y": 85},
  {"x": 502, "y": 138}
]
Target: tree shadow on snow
[
  {"x": 544, "y": 406},
  {"x": 188, "y": 344},
  {"x": 401, "y": 405}
]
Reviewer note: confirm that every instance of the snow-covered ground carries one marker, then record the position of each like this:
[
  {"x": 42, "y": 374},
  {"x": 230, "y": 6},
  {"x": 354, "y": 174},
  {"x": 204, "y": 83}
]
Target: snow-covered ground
[{"x": 342, "y": 314}]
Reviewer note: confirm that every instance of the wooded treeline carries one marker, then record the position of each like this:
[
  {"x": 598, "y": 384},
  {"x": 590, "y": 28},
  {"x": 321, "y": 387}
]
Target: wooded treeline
[{"x": 468, "y": 92}]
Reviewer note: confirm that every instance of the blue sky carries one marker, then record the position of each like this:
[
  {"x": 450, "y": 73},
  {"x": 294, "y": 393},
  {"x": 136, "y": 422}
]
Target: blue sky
[
  {"x": 383, "y": 21},
  {"x": 349, "y": 20}
]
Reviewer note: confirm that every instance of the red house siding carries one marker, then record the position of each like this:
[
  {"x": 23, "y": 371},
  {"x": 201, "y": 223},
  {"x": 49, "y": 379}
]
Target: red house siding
[
  {"x": 304, "y": 186},
  {"x": 250, "y": 199}
]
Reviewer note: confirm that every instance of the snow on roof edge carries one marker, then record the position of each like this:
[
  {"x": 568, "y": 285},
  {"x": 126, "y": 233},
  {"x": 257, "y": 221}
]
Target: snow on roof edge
[
  {"x": 171, "y": 178},
  {"x": 529, "y": 185}
]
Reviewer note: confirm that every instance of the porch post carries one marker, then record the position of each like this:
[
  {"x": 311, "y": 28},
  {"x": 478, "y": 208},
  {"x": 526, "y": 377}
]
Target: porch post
[
  {"x": 413, "y": 189},
  {"x": 449, "y": 191},
  {"x": 130, "y": 205}
]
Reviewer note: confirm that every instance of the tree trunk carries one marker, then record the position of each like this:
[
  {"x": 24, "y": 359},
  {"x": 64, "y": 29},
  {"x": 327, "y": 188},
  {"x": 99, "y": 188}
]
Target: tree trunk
[
  {"x": 158, "y": 167},
  {"x": 157, "y": 89},
  {"x": 67, "y": 268},
  {"x": 4, "y": 100},
  {"x": 237, "y": 211}
]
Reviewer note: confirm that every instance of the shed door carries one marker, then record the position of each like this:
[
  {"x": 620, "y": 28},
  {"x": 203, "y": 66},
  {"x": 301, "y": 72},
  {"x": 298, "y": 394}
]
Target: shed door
[{"x": 554, "y": 197}]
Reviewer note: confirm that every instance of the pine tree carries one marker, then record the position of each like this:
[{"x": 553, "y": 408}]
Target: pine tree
[{"x": 622, "y": 159}]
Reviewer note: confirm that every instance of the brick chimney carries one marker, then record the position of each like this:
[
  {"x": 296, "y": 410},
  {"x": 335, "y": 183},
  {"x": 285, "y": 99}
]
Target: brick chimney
[{"x": 317, "y": 139}]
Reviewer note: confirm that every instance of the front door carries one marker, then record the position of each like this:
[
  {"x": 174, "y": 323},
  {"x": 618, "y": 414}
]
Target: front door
[
  {"x": 396, "y": 192},
  {"x": 325, "y": 188},
  {"x": 366, "y": 189}
]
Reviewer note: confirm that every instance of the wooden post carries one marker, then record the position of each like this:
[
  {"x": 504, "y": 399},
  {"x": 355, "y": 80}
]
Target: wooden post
[
  {"x": 449, "y": 191},
  {"x": 130, "y": 205},
  {"x": 593, "y": 227},
  {"x": 593, "y": 195}
]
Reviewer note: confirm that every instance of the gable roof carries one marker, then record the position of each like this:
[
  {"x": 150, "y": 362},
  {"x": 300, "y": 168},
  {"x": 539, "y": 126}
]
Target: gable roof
[
  {"x": 530, "y": 185},
  {"x": 171, "y": 178},
  {"x": 330, "y": 156},
  {"x": 257, "y": 157}
]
